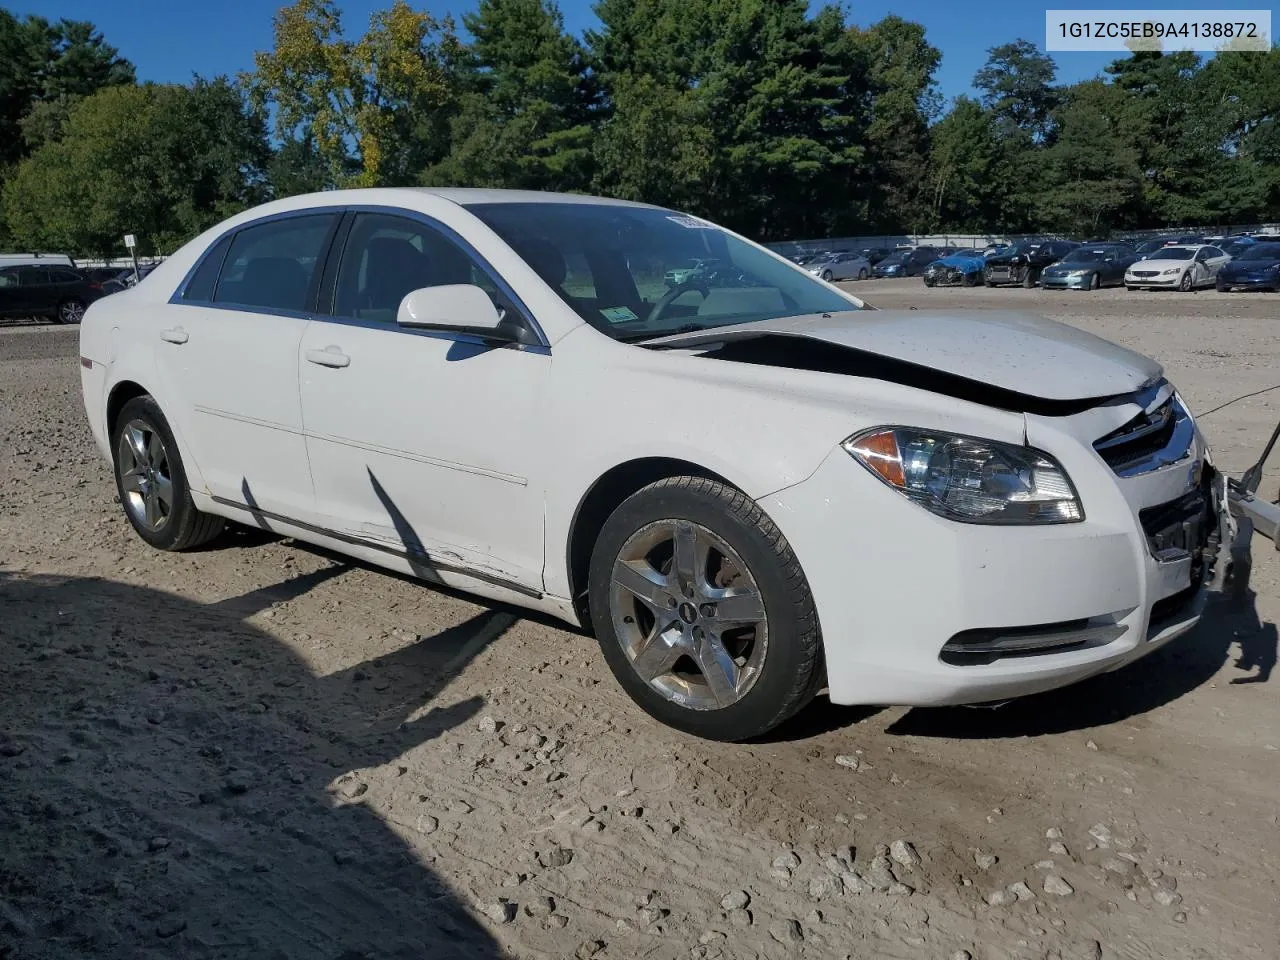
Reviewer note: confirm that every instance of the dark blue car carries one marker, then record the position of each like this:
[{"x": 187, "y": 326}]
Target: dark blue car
[
  {"x": 1255, "y": 268},
  {"x": 960, "y": 267}
]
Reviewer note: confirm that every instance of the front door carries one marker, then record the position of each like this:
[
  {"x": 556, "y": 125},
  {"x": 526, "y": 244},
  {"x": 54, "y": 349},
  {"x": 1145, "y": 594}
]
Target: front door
[
  {"x": 420, "y": 442},
  {"x": 228, "y": 350}
]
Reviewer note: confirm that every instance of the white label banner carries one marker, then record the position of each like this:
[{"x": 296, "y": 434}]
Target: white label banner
[{"x": 1167, "y": 30}]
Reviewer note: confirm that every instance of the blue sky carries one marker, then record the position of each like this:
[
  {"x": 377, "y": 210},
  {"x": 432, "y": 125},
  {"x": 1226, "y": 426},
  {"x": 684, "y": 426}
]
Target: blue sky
[{"x": 170, "y": 40}]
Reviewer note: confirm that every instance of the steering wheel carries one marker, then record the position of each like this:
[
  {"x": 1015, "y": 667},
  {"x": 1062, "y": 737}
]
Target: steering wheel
[{"x": 668, "y": 298}]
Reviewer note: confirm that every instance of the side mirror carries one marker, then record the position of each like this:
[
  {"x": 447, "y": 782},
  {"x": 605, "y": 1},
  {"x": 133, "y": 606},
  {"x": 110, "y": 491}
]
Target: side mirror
[{"x": 461, "y": 307}]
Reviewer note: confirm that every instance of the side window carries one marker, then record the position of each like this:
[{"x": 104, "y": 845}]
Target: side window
[
  {"x": 387, "y": 257},
  {"x": 1215, "y": 252},
  {"x": 8, "y": 278},
  {"x": 200, "y": 286},
  {"x": 33, "y": 276},
  {"x": 1202, "y": 256},
  {"x": 66, "y": 276},
  {"x": 271, "y": 265}
]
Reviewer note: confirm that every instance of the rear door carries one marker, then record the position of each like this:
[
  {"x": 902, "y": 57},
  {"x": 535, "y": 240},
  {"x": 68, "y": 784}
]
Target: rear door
[
  {"x": 228, "y": 350},
  {"x": 11, "y": 292}
]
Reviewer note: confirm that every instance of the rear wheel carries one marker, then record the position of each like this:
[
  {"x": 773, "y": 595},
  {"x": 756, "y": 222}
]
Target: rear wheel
[
  {"x": 152, "y": 482},
  {"x": 70, "y": 310},
  {"x": 702, "y": 611}
]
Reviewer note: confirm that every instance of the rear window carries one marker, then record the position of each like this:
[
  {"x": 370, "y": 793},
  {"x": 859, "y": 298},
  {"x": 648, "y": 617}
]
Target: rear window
[{"x": 271, "y": 265}]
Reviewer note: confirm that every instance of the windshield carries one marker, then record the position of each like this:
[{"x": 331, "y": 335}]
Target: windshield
[
  {"x": 893, "y": 258},
  {"x": 1175, "y": 253},
  {"x": 640, "y": 272},
  {"x": 1086, "y": 255},
  {"x": 1260, "y": 251},
  {"x": 1024, "y": 246},
  {"x": 1150, "y": 245}
]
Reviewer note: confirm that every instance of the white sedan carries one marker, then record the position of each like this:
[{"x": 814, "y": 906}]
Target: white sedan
[
  {"x": 1177, "y": 268},
  {"x": 751, "y": 486}
]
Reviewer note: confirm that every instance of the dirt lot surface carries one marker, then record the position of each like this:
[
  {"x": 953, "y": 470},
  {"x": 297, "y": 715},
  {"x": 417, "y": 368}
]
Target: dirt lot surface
[{"x": 259, "y": 750}]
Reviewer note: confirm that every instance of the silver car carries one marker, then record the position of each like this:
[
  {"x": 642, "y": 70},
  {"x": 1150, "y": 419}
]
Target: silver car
[{"x": 840, "y": 266}]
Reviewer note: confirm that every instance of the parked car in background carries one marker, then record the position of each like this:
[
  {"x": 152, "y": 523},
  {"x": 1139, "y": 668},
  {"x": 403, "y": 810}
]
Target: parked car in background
[
  {"x": 840, "y": 266},
  {"x": 56, "y": 293},
  {"x": 1022, "y": 262},
  {"x": 1042, "y": 505},
  {"x": 1089, "y": 267},
  {"x": 113, "y": 279},
  {"x": 1236, "y": 245},
  {"x": 875, "y": 254},
  {"x": 1176, "y": 268},
  {"x": 907, "y": 263},
  {"x": 961, "y": 267},
  {"x": 1257, "y": 267},
  {"x": 45, "y": 259},
  {"x": 991, "y": 249},
  {"x": 673, "y": 277},
  {"x": 1151, "y": 245}
]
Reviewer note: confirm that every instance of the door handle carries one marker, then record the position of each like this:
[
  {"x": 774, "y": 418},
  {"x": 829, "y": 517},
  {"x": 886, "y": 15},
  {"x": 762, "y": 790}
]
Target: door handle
[
  {"x": 330, "y": 356},
  {"x": 174, "y": 335}
]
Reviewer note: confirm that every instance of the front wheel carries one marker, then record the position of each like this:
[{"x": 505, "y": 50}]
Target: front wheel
[
  {"x": 1095, "y": 282},
  {"x": 152, "y": 482},
  {"x": 1028, "y": 279},
  {"x": 1185, "y": 283},
  {"x": 70, "y": 311},
  {"x": 862, "y": 274},
  {"x": 826, "y": 275},
  {"x": 702, "y": 611},
  {"x": 928, "y": 282}
]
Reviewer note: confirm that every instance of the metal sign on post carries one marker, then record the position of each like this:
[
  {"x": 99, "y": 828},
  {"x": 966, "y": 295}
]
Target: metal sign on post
[{"x": 131, "y": 242}]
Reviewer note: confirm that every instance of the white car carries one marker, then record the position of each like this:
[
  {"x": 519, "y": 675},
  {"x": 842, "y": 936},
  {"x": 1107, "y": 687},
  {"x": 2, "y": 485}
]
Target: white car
[
  {"x": 1178, "y": 268},
  {"x": 840, "y": 266},
  {"x": 751, "y": 491}
]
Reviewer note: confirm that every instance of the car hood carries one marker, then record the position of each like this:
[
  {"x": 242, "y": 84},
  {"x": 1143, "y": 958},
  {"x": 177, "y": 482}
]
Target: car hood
[
  {"x": 1014, "y": 352},
  {"x": 1158, "y": 264},
  {"x": 1248, "y": 266},
  {"x": 962, "y": 262}
]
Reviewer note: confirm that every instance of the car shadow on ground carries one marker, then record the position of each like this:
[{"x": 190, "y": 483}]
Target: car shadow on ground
[
  {"x": 1169, "y": 673},
  {"x": 177, "y": 782}
]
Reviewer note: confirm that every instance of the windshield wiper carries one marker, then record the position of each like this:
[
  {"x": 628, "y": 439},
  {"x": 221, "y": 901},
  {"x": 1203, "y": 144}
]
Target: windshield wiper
[{"x": 641, "y": 337}]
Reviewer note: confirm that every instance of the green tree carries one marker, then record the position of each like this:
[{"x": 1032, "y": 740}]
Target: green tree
[
  {"x": 164, "y": 162},
  {"x": 373, "y": 108},
  {"x": 43, "y": 62},
  {"x": 1017, "y": 86},
  {"x": 1090, "y": 175},
  {"x": 965, "y": 165},
  {"x": 900, "y": 65},
  {"x": 526, "y": 116}
]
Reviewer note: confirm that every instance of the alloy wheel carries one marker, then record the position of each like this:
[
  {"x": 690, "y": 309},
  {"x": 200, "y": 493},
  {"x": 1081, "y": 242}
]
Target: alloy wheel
[
  {"x": 688, "y": 614},
  {"x": 70, "y": 311},
  {"x": 145, "y": 480}
]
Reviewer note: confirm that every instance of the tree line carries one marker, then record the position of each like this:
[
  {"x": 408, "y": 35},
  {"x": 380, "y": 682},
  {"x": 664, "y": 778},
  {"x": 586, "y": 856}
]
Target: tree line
[{"x": 778, "y": 121}]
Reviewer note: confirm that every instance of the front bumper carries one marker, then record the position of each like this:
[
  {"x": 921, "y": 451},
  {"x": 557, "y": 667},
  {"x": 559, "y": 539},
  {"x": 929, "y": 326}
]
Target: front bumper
[
  {"x": 1249, "y": 283},
  {"x": 895, "y": 584},
  {"x": 1003, "y": 274},
  {"x": 1171, "y": 282},
  {"x": 1065, "y": 282}
]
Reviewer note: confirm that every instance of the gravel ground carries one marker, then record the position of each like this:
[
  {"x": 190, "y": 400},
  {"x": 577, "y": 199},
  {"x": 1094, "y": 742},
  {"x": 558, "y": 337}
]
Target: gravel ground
[{"x": 262, "y": 750}]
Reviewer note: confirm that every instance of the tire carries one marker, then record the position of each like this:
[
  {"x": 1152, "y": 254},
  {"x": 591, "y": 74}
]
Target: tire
[
  {"x": 928, "y": 282},
  {"x": 70, "y": 310},
  {"x": 781, "y": 648},
  {"x": 862, "y": 274},
  {"x": 1185, "y": 283},
  {"x": 1222, "y": 287},
  {"x": 1095, "y": 282},
  {"x": 1028, "y": 280},
  {"x": 826, "y": 275},
  {"x": 177, "y": 525}
]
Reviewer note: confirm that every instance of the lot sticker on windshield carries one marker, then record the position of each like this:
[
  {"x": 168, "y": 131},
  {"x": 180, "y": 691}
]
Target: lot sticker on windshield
[
  {"x": 619, "y": 314},
  {"x": 691, "y": 223}
]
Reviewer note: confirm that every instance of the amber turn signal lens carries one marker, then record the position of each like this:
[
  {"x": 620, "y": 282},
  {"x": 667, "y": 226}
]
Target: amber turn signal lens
[{"x": 879, "y": 451}]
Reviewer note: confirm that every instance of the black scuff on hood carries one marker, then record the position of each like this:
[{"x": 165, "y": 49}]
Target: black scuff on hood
[{"x": 805, "y": 353}]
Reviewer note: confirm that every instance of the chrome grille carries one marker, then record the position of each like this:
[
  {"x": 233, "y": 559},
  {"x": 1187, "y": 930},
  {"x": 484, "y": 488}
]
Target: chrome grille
[{"x": 1157, "y": 437}]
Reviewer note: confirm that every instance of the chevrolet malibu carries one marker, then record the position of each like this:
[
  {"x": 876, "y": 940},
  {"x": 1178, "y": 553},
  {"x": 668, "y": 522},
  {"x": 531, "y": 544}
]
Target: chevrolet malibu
[{"x": 750, "y": 486}]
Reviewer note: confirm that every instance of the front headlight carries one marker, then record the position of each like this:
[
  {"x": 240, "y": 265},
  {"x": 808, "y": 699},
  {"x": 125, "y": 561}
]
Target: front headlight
[
  {"x": 969, "y": 479},
  {"x": 1168, "y": 273},
  {"x": 1079, "y": 272}
]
